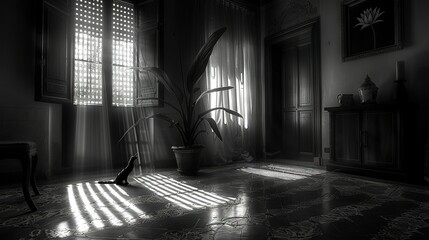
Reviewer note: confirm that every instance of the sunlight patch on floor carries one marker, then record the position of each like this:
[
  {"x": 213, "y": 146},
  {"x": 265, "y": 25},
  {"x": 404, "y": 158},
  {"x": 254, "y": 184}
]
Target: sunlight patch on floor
[
  {"x": 181, "y": 194},
  {"x": 298, "y": 170},
  {"x": 97, "y": 206},
  {"x": 272, "y": 173}
]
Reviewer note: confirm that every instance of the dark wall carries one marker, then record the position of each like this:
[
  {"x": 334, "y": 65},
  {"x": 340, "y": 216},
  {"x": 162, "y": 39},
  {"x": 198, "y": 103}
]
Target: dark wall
[
  {"x": 346, "y": 77},
  {"x": 22, "y": 118}
]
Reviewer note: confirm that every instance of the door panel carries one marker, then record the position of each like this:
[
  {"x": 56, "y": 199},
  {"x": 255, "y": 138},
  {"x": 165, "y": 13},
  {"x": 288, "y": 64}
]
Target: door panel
[
  {"x": 306, "y": 132},
  {"x": 297, "y": 92},
  {"x": 304, "y": 75},
  {"x": 290, "y": 145},
  {"x": 288, "y": 72}
]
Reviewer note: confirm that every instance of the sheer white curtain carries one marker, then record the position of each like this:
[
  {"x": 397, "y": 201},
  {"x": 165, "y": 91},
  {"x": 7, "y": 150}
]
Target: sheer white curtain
[{"x": 233, "y": 63}]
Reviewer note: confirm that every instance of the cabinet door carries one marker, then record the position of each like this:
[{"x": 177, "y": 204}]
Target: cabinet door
[
  {"x": 379, "y": 140},
  {"x": 346, "y": 138}
]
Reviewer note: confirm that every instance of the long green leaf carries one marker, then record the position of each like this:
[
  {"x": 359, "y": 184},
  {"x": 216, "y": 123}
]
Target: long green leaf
[
  {"x": 131, "y": 128},
  {"x": 200, "y": 62},
  {"x": 163, "y": 78},
  {"x": 163, "y": 117},
  {"x": 156, "y": 115},
  {"x": 173, "y": 123},
  {"x": 220, "y": 108},
  {"x": 196, "y": 90},
  {"x": 161, "y": 100},
  {"x": 212, "y": 91},
  {"x": 196, "y": 135},
  {"x": 213, "y": 125}
]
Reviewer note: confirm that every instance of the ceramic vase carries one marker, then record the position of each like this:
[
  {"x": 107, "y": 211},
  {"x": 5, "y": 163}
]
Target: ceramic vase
[{"x": 368, "y": 91}]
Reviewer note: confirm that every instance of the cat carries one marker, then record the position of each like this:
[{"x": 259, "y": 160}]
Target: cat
[{"x": 122, "y": 177}]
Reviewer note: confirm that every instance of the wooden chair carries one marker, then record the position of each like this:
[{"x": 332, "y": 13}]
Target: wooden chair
[{"x": 26, "y": 152}]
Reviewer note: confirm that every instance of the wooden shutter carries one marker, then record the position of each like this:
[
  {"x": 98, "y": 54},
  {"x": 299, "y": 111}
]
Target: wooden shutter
[
  {"x": 149, "y": 43},
  {"x": 53, "y": 52}
]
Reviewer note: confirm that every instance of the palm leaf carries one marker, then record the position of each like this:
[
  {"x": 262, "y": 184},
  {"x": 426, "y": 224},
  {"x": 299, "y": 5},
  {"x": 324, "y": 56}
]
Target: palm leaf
[
  {"x": 213, "y": 125},
  {"x": 163, "y": 117},
  {"x": 156, "y": 115},
  {"x": 196, "y": 135},
  {"x": 163, "y": 78},
  {"x": 220, "y": 108},
  {"x": 161, "y": 100},
  {"x": 131, "y": 128},
  {"x": 196, "y": 90},
  {"x": 211, "y": 91},
  {"x": 200, "y": 62}
]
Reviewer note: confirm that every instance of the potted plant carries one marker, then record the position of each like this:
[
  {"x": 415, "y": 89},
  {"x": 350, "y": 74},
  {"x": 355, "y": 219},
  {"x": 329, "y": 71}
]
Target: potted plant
[{"x": 188, "y": 95}]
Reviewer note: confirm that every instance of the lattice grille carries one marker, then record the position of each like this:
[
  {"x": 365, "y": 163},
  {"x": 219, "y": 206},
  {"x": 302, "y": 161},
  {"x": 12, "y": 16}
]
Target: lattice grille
[
  {"x": 88, "y": 52},
  {"x": 123, "y": 54}
]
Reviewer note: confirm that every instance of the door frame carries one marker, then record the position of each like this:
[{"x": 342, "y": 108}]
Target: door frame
[{"x": 271, "y": 41}]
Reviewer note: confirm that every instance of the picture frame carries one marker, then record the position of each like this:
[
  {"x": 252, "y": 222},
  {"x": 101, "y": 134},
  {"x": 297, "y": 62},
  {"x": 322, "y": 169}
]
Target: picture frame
[{"x": 371, "y": 27}]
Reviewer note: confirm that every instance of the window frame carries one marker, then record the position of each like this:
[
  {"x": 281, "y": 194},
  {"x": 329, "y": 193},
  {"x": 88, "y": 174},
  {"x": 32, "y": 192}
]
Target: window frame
[
  {"x": 51, "y": 88},
  {"x": 68, "y": 7},
  {"x": 107, "y": 54}
]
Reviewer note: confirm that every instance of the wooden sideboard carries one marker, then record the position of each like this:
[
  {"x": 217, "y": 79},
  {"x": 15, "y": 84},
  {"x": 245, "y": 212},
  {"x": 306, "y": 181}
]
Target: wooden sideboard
[{"x": 373, "y": 139}]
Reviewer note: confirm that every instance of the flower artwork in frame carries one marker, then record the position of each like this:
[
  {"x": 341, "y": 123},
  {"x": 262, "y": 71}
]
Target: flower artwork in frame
[{"x": 371, "y": 27}]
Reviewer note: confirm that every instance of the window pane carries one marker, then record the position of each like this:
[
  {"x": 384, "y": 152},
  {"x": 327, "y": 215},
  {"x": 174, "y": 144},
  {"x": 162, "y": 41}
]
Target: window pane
[
  {"x": 88, "y": 52},
  {"x": 123, "y": 54}
]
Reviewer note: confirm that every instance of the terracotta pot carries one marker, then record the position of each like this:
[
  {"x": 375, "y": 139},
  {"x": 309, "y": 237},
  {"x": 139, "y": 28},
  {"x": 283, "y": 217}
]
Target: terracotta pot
[{"x": 188, "y": 159}]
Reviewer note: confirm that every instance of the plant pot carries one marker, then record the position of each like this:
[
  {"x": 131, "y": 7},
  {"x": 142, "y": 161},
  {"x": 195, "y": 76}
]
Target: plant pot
[{"x": 188, "y": 159}]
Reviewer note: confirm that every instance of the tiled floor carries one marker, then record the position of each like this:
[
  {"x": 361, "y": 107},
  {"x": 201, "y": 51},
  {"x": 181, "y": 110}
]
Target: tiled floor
[{"x": 252, "y": 201}]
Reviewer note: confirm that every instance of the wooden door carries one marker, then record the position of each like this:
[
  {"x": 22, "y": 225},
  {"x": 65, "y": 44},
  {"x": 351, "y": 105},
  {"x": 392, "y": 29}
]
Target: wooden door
[
  {"x": 292, "y": 96},
  {"x": 297, "y": 98}
]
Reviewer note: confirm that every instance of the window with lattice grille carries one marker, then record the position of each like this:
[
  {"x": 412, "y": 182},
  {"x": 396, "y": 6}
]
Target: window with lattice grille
[
  {"x": 88, "y": 82},
  {"x": 88, "y": 58},
  {"x": 123, "y": 54}
]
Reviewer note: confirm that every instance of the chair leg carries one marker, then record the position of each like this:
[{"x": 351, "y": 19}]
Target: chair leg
[
  {"x": 26, "y": 168},
  {"x": 33, "y": 174}
]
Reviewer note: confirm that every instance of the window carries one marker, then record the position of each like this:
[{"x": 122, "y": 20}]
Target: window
[
  {"x": 123, "y": 54},
  {"x": 88, "y": 84},
  {"x": 88, "y": 57},
  {"x": 70, "y": 62}
]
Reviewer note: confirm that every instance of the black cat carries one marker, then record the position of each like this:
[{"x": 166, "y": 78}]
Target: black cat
[{"x": 121, "y": 178}]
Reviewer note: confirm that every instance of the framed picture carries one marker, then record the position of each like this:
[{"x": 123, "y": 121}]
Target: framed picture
[{"x": 371, "y": 27}]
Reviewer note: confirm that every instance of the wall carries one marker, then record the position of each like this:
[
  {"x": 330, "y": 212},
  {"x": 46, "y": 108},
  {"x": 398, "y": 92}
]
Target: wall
[
  {"x": 22, "y": 118},
  {"x": 346, "y": 77}
]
